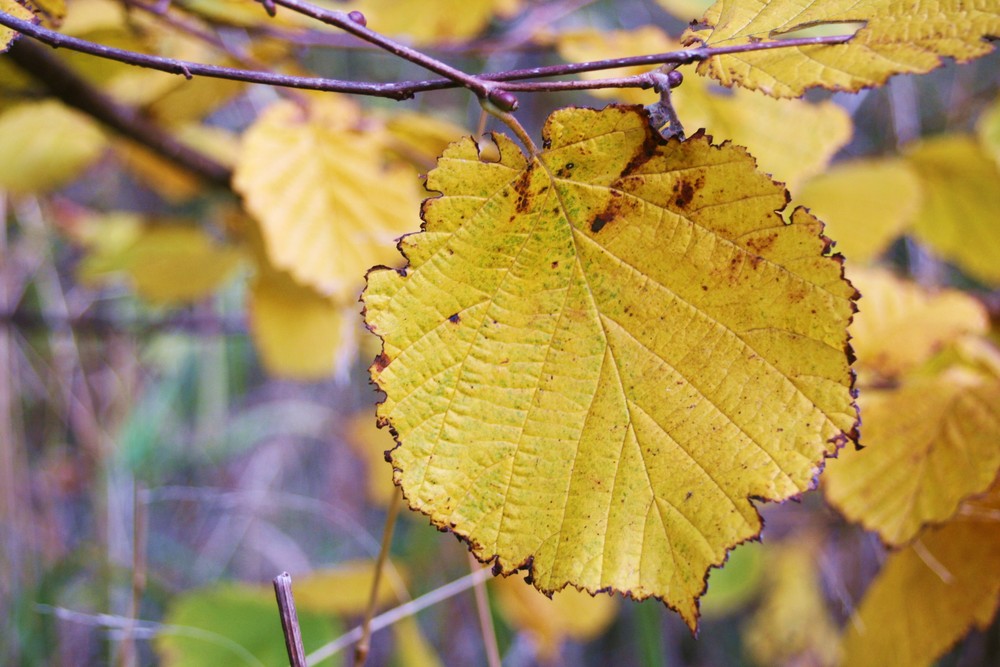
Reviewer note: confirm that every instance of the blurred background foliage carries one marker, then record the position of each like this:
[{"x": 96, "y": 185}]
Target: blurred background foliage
[{"x": 184, "y": 404}]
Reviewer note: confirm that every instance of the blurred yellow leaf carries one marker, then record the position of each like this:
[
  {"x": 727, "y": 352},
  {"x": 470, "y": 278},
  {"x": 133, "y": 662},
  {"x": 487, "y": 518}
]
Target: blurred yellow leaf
[
  {"x": 343, "y": 590},
  {"x": 686, "y": 10},
  {"x": 988, "y": 130},
  {"x": 168, "y": 264},
  {"x": 52, "y": 11},
  {"x": 412, "y": 649},
  {"x": 12, "y": 7},
  {"x": 300, "y": 333},
  {"x": 927, "y": 445},
  {"x": 748, "y": 119},
  {"x": 931, "y": 593},
  {"x": 327, "y": 204},
  {"x": 432, "y": 21},
  {"x": 792, "y": 626},
  {"x": 371, "y": 443},
  {"x": 865, "y": 204},
  {"x": 569, "y": 614},
  {"x": 732, "y": 586},
  {"x": 44, "y": 145},
  {"x": 420, "y": 138},
  {"x": 958, "y": 219},
  {"x": 897, "y": 38},
  {"x": 901, "y": 325},
  {"x": 597, "y": 356}
]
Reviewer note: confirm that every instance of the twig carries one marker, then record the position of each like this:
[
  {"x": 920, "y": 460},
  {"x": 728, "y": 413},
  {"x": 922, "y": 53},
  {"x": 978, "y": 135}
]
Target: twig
[
  {"x": 407, "y": 89},
  {"x": 73, "y": 90},
  {"x": 289, "y": 620},
  {"x": 403, "y": 611},
  {"x": 364, "y": 643},
  {"x": 485, "y": 617}
]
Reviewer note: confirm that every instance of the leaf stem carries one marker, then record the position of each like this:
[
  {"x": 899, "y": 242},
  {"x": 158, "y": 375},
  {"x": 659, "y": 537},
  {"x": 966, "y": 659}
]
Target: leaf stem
[
  {"x": 516, "y": 127},
  {"x": 364, "y": 643}
]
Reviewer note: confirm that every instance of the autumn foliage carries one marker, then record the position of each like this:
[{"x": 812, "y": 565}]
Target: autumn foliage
[{"x": 607, "y": 340}]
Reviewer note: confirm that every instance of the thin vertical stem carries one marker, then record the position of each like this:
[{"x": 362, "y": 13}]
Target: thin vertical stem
[
  {"x": 485, "y": 617},
  {"x": 289, "y": 620},
  {"x": 364, "y": 643}
]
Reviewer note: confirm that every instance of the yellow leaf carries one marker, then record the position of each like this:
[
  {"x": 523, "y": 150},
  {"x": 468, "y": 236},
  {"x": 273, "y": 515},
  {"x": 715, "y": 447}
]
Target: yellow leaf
[
  {"x": 596, "y": 356},
  {"x": 420, "y": 138},
  {"x": 927, "y": 445},
  {"x": 52, "y": 11},
  {"x": 958, "y": 219},
  {"x": 371, "y": 443},
  {"x": 167, "y": 264},
  {"x": 792, "y": 626},
  {"x": 412, "y": 649},
  {"x": 433, "y": 21},
  {"x": 569, "y": 614},
  {"x": 343, "y": 590},
  {"x": 299, "y": 333},
  {"x": 897, "y": 38},
  {"x": 7, "y": 35},
  {"x": 44, "y": 145},
  {"x": 328, "y": 206},
  {"x": 865, "y": 204},
  {"x": 686, "y": 10},
  {"x": 791, "y": 155},
  {"x": 930, "y": 594},
  {"x": 901, "y": 325}
]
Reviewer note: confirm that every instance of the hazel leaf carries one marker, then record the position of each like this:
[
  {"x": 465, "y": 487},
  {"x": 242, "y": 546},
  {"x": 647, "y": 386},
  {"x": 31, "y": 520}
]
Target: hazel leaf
[{"x": 597, "y": 355}]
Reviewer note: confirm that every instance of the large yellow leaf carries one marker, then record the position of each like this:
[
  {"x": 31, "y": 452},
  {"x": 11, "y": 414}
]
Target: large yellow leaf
[
  {"x": 866, "y": 204},
  {"x": 961, "y": 186},
  {"x": 344, "y": 589},
  {"x": 897, "y": 37},
  {"x": 44, "y": 145},
  {"x": 790, "y": 155},
  {"x": 328, "y": 206},
  {"x": 988, "y": 130},
  {"x": 596, "y": 356},
  {"x": 901, "y": 325},
  {"x": 928, "y": 445},
  {"x": 432, "y": 21},
  {"x": 927, "y": 596}
]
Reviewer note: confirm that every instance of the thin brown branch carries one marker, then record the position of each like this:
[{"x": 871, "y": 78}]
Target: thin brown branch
[
  {"x": 289, "y": 620},
  {"x": 364, "y": 642},
  {"x": 407, "y": 89},
  {"x": 74, "y": 91}
]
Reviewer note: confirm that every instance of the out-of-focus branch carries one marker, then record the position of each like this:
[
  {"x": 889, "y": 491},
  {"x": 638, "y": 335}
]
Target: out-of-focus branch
[{"x": 74, "y": 91}]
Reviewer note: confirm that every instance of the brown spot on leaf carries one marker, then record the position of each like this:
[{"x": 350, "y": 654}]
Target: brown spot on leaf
[
  {"x": 615, "y": 208},
  {"x": 762, "y": 243},
  {"x": 684, "y": 192},
  {"x": 381, "y": 361},
  {"x": 522, "y": 188},
  {"x": 454, "y": 319},
  {"x": 565, "y": 170}
]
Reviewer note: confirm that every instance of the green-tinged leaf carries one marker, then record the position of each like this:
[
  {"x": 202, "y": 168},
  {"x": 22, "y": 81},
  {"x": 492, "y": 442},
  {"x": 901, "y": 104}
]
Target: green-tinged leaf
[
  {"x": 597, "y": 356},
  {"x": 901, "y": 325},
  {"x": 686, "y": 10},
  {"x": 896, "y": 38},
  {"x": 44, "y": 145},
  {"x": 927, "y": 446},
  {"x": 232, "y": 624},
  {"x": 168, "y": 264},
  {"x": 328, "y": 206},
  {"x": 865, "y": 204},
  {"x": 958, "y": 219},
  {"x": 731, "y": 587},
  {"x": 931, "y": 593},
  {"x": 411, "y": 646},
  {"x": 792, "y": 626},
  {"x": 791, "y": 155},
  {"x": 988, "y": 130}
]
